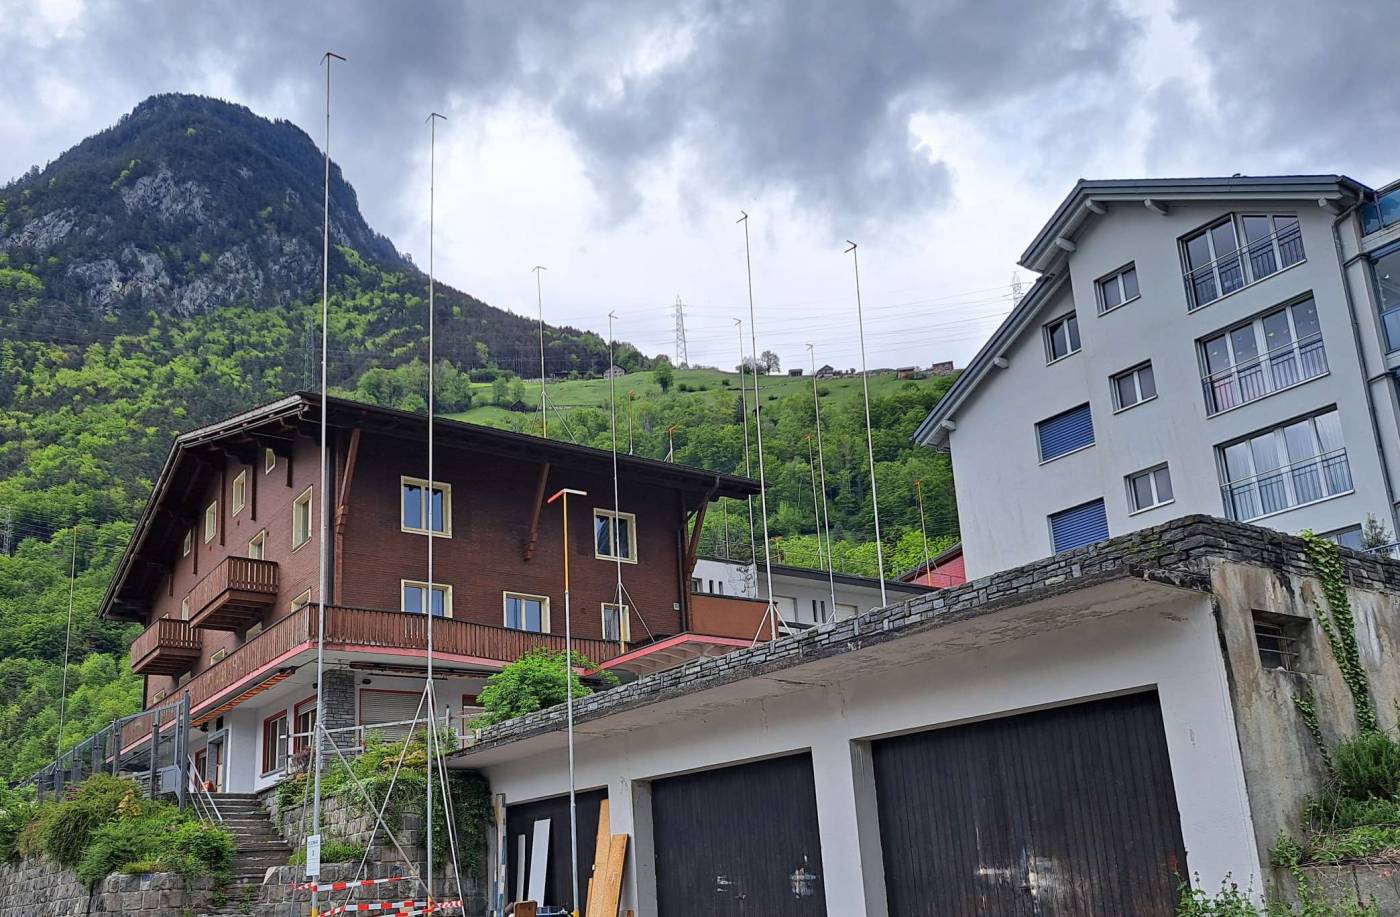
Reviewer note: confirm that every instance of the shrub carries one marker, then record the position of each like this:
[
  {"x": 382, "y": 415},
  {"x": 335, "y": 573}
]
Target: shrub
[
  {"x": 158, "y": 839},
  {"x": 69, "y": 827},
  {"x": 1367, "y": 766},
  {"x": 532, "y": 682},
  {"x": 16, "y": 812}
]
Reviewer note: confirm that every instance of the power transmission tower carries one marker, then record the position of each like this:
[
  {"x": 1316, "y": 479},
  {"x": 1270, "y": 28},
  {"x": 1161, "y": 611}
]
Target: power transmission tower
[
  {"x": 1015, "y": 287},
  {"x": 682, "y": 358}
]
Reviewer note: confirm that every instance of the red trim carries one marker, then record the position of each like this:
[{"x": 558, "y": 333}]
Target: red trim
[{"x": 670, "y": 642}]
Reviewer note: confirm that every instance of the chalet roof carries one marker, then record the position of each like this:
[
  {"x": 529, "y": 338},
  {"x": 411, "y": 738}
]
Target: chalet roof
[{"x": 300, "y": 414}]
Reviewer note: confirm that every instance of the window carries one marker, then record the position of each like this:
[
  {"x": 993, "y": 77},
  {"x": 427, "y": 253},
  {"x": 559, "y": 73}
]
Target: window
[
  {"x": 269, "y": 460},
  {"x": 617, "y": 623},
  {"x": 1279, "y": 349},
  {"x": 1134, "y": 386},
  {"x": 185, "y": 608},
  {"x": 415, "y": 510},
  {"x": 1214, "y": 265},
  {"x": 1149, "y": 488},
  {"x": 188, "y": 544},
  {"x": 1382, "y": 212},
  {"x": 1349, "y": 537},
  {"x": 274, "y": 737},
  {"x": 1118, "y": 288},
  {"x": 399, "y": 709},
  {"x": 1385, "y": 271},
  {"x": 1078, "y": 526},
  {"x": 257, "y": 546},
  {"x": 1061, "y": 338},
  {"x": 240, "y": 492},
  {"x": 844, "y": 611},
  {"x": 527, "y": 612},
  {"x": 1279, "y": 638},
  {"x": 211, "y": 521},
  {"x": 787, "y": 607},
  {"x": 415, "y": 594},
  {"x": 697, "y": 585},
  {"x": 1065, "y": 433},
  {"x": 301, "y": 601},
  {"x": 304, "y": 725},
  {"x": 301, "y": 520},
  {"x": 1299, "y": 462},
  {"x": 614, "y": 535}
]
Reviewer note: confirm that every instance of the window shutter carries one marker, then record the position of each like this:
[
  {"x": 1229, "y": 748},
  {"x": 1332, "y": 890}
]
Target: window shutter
[
  {"x": 1074, "y": 429},
  {"x": 388, "y": 707},
  {"x": 1073, "y": 528}
]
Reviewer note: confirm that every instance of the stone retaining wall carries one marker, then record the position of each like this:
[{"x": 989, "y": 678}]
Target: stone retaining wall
[
  {"x": 40, "y": 888},
  {"x": 342, "y": 819}
]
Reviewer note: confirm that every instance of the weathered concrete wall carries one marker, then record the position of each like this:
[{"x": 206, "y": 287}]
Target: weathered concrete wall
[{"x": 41, "y": 888}]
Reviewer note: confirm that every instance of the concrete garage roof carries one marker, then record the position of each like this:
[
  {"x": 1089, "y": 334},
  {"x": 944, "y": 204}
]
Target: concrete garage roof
[{"x": 1132, "y": 574}]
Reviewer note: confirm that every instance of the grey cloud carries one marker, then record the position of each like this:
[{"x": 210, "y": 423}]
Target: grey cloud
[{"x": 811, "y": 97}]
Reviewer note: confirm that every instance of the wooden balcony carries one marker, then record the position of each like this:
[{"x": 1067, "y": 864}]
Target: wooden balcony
[
  {"x": 168, "y": 647},
  {"x": 234, "y": 594}
]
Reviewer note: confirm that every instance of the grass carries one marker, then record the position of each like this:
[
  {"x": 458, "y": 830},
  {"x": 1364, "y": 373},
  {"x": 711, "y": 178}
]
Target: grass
[{"x": 593, "y": 393}]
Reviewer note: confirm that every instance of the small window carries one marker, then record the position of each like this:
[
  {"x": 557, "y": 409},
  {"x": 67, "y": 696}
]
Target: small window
[
  {"x": 415, "y": 598},
  {"x": 301, "y": 520},
  {"x": 617, "y": 624},
  {"x": 257, "y": 546},
  {"x": 211, "y": 521},
  {"x": 1078, "y": 526},
  {"x": 1279, "y": 638},
  {"x": 301, "y": 601},
  {"x": 415, "y": 509},
  {"x": 305, "y": 725},
  {"x": 240, "y": 492},
  {"x": 252, "y": 631},
  {"x": 1134, "y": 386},
  {"x": 185, "y": 608},
  {"x": 269, "y": 460},
  {"x": 1349, "y": 537},
  {"x": 614, "y": 535},
  {"x": 1065, "y": 433},
  {"x": 1061, "y": 338},
  {"x": 527, "y": 612},
  {"x": 1118, "y": 288},
  {"x": 188, "y": 544},
  {"x": 697, "y": 585},
  {"x": 1149, "y": 488},
  {"x": 274, "y": 750}
]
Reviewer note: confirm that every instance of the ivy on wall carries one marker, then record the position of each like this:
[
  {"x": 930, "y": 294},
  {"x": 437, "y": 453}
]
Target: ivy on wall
[{"x": 1339, "y": 626}]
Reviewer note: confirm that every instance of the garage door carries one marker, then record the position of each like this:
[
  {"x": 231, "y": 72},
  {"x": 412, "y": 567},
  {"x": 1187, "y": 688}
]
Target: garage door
[
  {"x": 1069, "y": 811},
  {"x": 520, "y": 822},
  {"x": 739, "y": 841}
]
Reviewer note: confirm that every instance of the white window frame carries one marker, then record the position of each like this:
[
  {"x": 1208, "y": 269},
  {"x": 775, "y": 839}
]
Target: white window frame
[
  {"x": 1048, "y": 332},
  {"x": 1134, "y": 371},
  {"x": 260, "y": 540},
  {"x": 1262, "y": 354},
  {"x": 508, "y": 594},
  {"x": 185, "y": 608},
  {"x": 1151, "y": 473},
  {"x": 445, "y": 588},
  {"x": 269, "y": 460},
  {"x": 625, "y": 620},
  {"x": 301, "y": 601},
  {"x": 1243, "y": 250},
  {"x": 631, "y": 520},
  {"x": 426, "y": 507},
  {"x": 304, "y": 500},
  {"x": 1276, "y": 431},
  {"x": 187, "y": 545},
  {"x": 211, "y": 521},
  {"x": 240, "y": 492},
  {"x": 1116, "y": 278}
]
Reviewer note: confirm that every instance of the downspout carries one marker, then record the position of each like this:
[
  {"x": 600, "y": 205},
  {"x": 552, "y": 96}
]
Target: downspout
[{"x": 1366, "y": 378}]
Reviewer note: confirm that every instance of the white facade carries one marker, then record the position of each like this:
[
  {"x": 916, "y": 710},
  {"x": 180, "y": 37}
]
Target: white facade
[
  {"x": 1007, "y": 494},
  {"x": 803, "y": 596}
]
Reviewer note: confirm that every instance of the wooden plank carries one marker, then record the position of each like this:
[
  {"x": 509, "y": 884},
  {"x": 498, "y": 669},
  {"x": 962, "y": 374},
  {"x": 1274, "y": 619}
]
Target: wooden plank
[
  {"x": 600, "y": 857},
  {"x": 539, "y": 860},
  {"x": 610, "y": 882}
]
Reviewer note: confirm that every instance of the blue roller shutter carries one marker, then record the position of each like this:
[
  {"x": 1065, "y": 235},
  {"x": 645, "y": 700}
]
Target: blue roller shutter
[
  {"x": 1081, "y": 525},
  {"x": 1074, "y": 429}
]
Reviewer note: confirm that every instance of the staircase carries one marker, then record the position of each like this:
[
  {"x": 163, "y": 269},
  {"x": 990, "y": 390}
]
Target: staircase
[{"x": 256, "y": 844}]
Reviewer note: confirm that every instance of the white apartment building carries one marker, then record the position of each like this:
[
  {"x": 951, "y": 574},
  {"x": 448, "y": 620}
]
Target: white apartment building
[
  {"x": 1226, "y": 346},
  {"x": 803, "y": 595}
]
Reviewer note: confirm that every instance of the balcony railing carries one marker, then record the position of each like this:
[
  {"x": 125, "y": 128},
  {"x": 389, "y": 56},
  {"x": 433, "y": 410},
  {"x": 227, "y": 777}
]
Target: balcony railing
[
  {"x": 168, "y": 647},
  {"x": 1382, "y": 212},
  {"x": 234, "y": 594},
  {"x": 1265, "y": 374},
  {"x": 1237, "y": 269},
  {"x": 1391, "y": 550},
  {"x": 1288, "y": 486}
]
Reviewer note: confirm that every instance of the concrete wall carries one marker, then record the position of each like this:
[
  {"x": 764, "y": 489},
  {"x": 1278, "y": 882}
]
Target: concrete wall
[
  {"x": 1006, "y": 494},
  {"x": 1173, "y": 648}
]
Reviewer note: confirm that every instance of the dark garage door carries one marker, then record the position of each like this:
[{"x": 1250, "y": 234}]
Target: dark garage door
[
  {"x": 1069, "y": 811},
  {"x": 740, "y": 840},
  {"x": 520, "y": 819}
]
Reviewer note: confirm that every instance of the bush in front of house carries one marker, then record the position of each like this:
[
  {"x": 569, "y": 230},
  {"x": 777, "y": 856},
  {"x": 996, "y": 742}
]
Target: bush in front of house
[{"x": 535, "y": 681}]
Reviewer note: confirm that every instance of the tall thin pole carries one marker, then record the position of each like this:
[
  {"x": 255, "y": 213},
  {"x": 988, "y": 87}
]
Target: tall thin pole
[
  {"x": 323, "y": 535},
  {"x": 564, "y": 495},
  {"x": 817, "y": 517},
  {"x": 748, "y": 464},
  {"x": 821, "y": 468},
  {"x": 433, "y": 119},
  {"x": 617, "y": 501},
  {"x": 758, "y": 426},
  {"x": 869, "y": 437},
  {"x": 539, "y": 296},
  {"x": 919, "y": 492},
  {"x": 67, "y": 641}
]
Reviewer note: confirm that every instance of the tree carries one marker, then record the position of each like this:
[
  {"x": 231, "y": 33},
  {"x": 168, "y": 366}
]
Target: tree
[
  {"x": 663, "y": 374},
  {"x": 517, "y": 390},
  {"x": 1374, "y": 533},
  {"x": 500, "y": 390},
  {"x": 768, "y": 362},
  {"x": 533, "y": 682}
]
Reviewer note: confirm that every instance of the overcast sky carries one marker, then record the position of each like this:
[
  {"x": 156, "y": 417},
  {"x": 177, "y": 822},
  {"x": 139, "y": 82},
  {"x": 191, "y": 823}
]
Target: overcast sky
[{"x": 616, "y": 142}]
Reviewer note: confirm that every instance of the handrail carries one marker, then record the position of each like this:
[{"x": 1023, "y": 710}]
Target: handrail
[
  {"x": 1323, "y": 462},
  {"x": 1306, "y": 350},
  {"x": 1243, "y": 259},
  {"x": 202, "y": 794}
]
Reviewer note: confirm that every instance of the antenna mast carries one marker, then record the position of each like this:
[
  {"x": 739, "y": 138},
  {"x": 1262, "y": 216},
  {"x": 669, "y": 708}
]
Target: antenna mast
[
  {"x": 748, "y": 464},
  {"x": 772, "y": 614},
  {"x": 869, "y": 437},
  {"x": 539, "y": 295},
  {"x": 821, "y": 467}
]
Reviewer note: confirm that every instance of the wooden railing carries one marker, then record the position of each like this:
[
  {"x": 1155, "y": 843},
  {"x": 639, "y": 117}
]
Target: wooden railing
[
  {"x": 167, "y": 634},
  {"x": 234, "y": 574}
]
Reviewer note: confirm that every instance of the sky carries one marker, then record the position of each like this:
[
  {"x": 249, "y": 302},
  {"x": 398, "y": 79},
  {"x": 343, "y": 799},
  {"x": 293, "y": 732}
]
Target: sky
[{"x": 617, "y": 143}]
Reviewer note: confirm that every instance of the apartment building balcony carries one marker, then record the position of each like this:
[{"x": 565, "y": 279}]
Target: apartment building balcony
[
  {"x": 1235, "y": 268},
  {"x": 168, "y": 647},
  {"x": 1278, "y": 369},
  {"x": 1288, "y": 486},
  {"x": 234, "y": 594}
]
